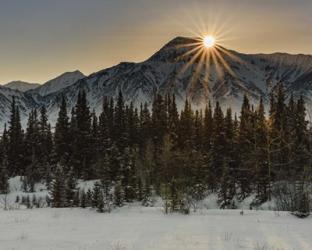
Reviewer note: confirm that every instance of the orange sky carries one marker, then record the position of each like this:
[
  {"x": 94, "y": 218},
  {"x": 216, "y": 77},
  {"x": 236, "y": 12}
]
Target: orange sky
[{"x": 41, "y": 38}]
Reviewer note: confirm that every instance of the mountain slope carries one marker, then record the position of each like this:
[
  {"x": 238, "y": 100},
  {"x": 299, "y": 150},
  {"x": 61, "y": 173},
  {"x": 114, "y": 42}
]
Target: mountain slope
[
  {"x": 165, "y": 72},
  {"x": 226, "y": 77},
  {"x": 59, "y": 83},
  {"x": 23, "y": 100},
  {"x": 21, "y": 86}
]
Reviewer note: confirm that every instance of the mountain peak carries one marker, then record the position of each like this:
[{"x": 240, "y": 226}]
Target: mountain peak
[
  {"x": 174, "y": 69},
  {"x": 171, "y": 51},
  {"x": 60, "y": 82},
  {"x": 181, "y": 41},
  {"x": 21, "y": 85},
  {"x": 182, "y": 49}
]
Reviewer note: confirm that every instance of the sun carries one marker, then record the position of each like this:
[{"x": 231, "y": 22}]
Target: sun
[{"x": 209, "y": 41}]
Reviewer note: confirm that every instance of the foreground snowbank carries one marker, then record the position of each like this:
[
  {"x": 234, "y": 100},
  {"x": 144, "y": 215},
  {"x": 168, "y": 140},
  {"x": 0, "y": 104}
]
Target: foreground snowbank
[{"x": 137, "y": 228}]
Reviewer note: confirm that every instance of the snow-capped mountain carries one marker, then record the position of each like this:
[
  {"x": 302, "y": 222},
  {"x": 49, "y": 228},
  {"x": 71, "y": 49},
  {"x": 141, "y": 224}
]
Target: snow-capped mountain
[
  {"x": 225, "y": 77},
  {"x": 23, "y": 100},
  {"x": 59, "y": 83},
  {"x": 21, "y": 86}
]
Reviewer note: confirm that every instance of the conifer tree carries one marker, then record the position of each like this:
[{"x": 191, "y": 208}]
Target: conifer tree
[
  {"x": 83, "y": 199},
  {"x": 62, "y": 135},
  {"x": 260, "y": 155},
  {"x": 120, "y": 122},
  {"x": 97, "y": 196},
  {"x": 216, "y": 160},
  {"x": 278, "y": 134},
  {"x": 71, "y": 187},
  {"x": 147, "y": 196},
  {"x": 197, "y": 137},
  {"x": 207, "y": 128},
  {"x": 229, "y": 168},
  {"x": 82, "y": 140},
  {"x": 128, "y": 175},
  {"x": 119, "y": 195},
  {"x": 173, "y": 121},
  {"x": 4, "y": 177},
  {"x": 16, "y": 140},
  {"x": 186, "y": 127},
  {"x": 105, "y": 128},
  {"x": 245, "y": 145},
  {"x": 58, "y": 189},
  {"x": 144, "y": 129}
]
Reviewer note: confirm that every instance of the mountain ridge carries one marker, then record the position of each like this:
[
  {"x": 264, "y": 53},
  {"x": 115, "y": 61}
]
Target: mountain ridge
[
  {"x": 62, "y": 81},
  {"x": 21, "y": 85},
  {"x": 166, "y": 72}
]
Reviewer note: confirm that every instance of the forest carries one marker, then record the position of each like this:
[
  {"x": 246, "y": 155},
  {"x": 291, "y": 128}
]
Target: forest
[{"x": 135, "y": 153}]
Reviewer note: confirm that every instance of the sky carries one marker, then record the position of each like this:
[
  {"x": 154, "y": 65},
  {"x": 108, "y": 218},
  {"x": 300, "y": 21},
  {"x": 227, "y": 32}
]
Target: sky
[{"x": 40, "y": 39}]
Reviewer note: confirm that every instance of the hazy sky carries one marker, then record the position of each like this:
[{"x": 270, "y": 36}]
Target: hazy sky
[{"x": 43, "y": 38}]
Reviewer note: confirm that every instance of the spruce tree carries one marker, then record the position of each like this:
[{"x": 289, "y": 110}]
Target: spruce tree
[
  {"x": 62, "y": 135},
  {"x": 97, "y": 195},
  {"x": 4, "y": 177},
  {"x": 278, "y": 140},
  {"x": 229, "y": 169},
  {"x": 16, "y": 151},
  {"x": 216, "y": 158},
  {"x": 120, "y": 123},
  {"x": 105, "y": 127},
  {"x": 58, "y": 189},
  {"x": 261, "y": 157},
  {"x": 245, "y": 145},
  {"x": 119, "y": 195},
  {"x": 82, "y": 141},
  {"x": 70, "y": 187}
]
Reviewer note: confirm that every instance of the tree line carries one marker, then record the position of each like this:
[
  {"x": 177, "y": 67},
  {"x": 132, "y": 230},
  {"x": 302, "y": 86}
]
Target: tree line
[{"x": 181, "y": 156}]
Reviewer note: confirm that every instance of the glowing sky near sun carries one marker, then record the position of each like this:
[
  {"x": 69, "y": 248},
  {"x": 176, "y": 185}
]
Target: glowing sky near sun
[{"x": 43, "y": 38}]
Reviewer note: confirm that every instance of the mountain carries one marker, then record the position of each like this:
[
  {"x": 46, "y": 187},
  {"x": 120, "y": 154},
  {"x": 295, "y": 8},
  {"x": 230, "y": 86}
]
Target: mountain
[
  {"x": 21, "y": 86},
  {"x": 166, "y": 72},
  {"x": 59, "y": 83},
  {"x": 224, "y": 76},
  {"x": 23, "y": 100}
]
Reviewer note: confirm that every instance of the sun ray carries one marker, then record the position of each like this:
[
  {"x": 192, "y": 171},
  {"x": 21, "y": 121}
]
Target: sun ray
[
  {"x": 207, "y": 71},
  {"x": 193, "y": 59},
  {"x": 217, "y": 65},
  {"x": 224, "y": 63},
  {"x": 195, "y": 44},
  {"x": 197, "y": 73},
  {"x": 231, "y": 55},
  {"x": 207, "y": 65},
  {"x": 206, "y": 54},
  {"x": 191, "y": 51}
]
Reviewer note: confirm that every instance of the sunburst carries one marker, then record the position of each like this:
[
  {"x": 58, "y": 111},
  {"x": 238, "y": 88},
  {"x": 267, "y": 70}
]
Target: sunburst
[{"x": 206, "y": 53}]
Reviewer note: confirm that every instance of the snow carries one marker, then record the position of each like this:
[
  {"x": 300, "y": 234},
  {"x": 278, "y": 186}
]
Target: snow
[
  {"x": 59, "y": 82},
  {"x": 16, "y": 190},
  {"x": 134, "y": 227},
  {"x": 254, "y": 75},
  {"x": 137, "y": 228},
  {"x": 21, "y": 86}
]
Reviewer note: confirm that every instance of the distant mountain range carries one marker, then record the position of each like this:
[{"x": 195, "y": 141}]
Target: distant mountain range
[
  {"x": 173, "y": 69},
  {"x": 21, "y": 86}
]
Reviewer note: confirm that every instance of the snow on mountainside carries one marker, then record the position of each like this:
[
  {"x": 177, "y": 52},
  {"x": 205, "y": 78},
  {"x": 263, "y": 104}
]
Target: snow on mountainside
[
  {"x": 166, "y": 72},
  {"x": 23, "y": 100},
  {"x": 226, "y": 77},
  {"x": 21, "y": 86},
  {"x": 59, "y": 83}
]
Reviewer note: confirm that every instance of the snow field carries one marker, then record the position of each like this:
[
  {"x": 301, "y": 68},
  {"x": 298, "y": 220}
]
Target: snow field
[{"x": 139, "y": 228}]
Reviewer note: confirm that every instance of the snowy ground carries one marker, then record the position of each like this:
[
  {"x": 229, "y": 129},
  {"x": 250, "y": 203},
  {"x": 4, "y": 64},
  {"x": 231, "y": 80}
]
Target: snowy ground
[{"x": 137, "y": 228}]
